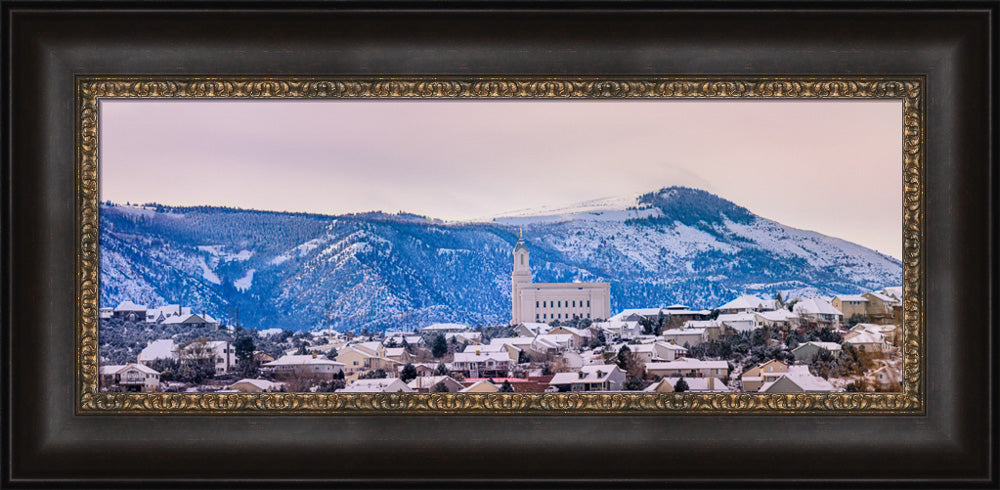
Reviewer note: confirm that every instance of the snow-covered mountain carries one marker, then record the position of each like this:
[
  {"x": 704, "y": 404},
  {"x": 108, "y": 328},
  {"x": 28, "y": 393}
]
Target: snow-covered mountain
[{"x": 377, "y": 270}]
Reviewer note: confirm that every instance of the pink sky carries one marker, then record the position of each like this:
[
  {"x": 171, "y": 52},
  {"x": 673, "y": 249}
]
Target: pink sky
[{"x": 830, "y": 166}]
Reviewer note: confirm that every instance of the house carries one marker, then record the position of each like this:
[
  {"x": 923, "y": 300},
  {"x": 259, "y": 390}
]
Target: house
[
  {"x": 665, "y": 351},
  {"x": 780, "y": 319},
  {"x": 818, "y": 313},
  {"x": 248, "y": 385},
  {"x": 381, "y": 385},
  {"x": 741, "y": 322},
  {"x": 880, "y": 307},
  {"x": 160, "y": 313},
  {"x": 579, "y": 337},
  {"x": 398, "y": 354},
  {"x": 742, "y": 304},
  {"x": 106, "y": 312},
  {"x": 806, "y": 351},
  {"x": 427, "y": 384},
  {"x": 481, "y": 386},
  {"x": 765, "y": 372},
  {"x": 530, "y": 329},
  {"x": 603, "y": 377},
  {"x": 464, "y": 337},
  {"x": 260, "y": 357},
  {"x": 368, "y": 356},
  {"x": 637, "y": 314},
  {"x": 129, "y": 311},
  {"x": 850, "y": 304},
  {"x": 891, "y": 332},
  {"x": 798, "y": 380},
  {"x": 689, "y": 337},
  {"x": 713, "y": 328},
  {"x": 304, "y": 366},
  {"x": 483, "y": 364},
  {"x": 867, "y": 341},
  {"x": 192, "y": 320},
  {"x": 688, "y": 368},
  {"x": 888, "y": 378},
  {"x": 219, "y": 352},
  {"x": 620, "y": 329},
  {"x": 130, "y": 377}
]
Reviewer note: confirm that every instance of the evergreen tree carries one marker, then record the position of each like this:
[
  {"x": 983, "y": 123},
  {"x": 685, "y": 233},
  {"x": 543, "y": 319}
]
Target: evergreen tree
[
  {"x": 622, "y": 360},
  {"x": 506, "y": 387},
  {"x": 439, "y": 346},
  {"x": 632, "y": 384},
  {"x": 408, "y": 374},
  {"x": 681, "y": 386},
  {"x": 441, "y": 370},
  {"x": 440, "y": 387}
]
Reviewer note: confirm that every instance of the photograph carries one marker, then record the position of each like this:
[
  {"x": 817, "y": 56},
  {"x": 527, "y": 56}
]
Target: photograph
[{"x": 501, "y": 246}]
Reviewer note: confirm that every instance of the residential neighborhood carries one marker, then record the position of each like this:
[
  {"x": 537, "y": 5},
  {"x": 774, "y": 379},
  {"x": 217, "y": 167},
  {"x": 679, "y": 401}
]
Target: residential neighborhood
[
  {"x": 766, "y": 345},
  {"x": 780, "y": 344}
]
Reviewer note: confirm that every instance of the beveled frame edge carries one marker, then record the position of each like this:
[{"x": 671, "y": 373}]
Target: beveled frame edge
[{"x": 89, "y": 90}]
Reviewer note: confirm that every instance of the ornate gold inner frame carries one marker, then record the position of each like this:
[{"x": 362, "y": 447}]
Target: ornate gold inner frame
[{"x": 92, "y": 89}]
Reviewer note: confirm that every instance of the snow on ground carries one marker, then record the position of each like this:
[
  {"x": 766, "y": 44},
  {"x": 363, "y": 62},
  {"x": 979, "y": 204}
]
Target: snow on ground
[
  {"x": 618, "y": 208},
  {"x": 244, "y": 282},
  {"x": 207, "y": 272},
  {"x": 216, "y": 251}
]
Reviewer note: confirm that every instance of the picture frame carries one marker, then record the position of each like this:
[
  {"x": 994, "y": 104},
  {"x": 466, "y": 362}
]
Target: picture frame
[{"x": 36, "y": 211}]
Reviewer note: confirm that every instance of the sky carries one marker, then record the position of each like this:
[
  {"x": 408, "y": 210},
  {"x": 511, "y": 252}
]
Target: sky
[{"x": 830, "y": 166}]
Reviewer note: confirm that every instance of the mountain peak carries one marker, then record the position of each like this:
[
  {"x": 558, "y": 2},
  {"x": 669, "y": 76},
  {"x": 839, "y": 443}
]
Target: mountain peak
[{"x": 690, "y": 206}]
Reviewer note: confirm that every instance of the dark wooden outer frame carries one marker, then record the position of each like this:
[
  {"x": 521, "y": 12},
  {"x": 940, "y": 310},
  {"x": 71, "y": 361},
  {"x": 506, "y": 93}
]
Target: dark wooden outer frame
[{"x": 952, "y": 45}]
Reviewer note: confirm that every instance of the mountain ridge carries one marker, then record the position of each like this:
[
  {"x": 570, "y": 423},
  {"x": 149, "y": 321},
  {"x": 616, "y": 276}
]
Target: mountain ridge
[{"x": 384, "y": 270}]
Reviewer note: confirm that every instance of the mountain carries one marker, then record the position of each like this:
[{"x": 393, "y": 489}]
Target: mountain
[{"x": 378, "y": 270}]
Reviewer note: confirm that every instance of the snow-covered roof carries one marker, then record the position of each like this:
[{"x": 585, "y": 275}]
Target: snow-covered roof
[
  {"x": 261, "y": 384},
  {"x": 117, "y": 368},
  {"x": 702, "y": 323},
  {"x": 805, "y": 381},
  {"x": 301, "y": 359},
  {"x": 688, "y": 364},
  {"x": 475, "y": 386},
  {"x": 830, "y": 346},
  {"x": 851, "y": 297},
  {"x": 394, "y": 351},
  {"x": 884, "y": 297},
  {"x": 636, "y": 311},
  {"x": 445, "y": 327},
  {"x": 743, "y": 302},
  {"x": 499, "y": 356},
  {"x": 668, "y": 345},
  {"x": 737, "y": 317},
  {"x": 129, "y": 306},
  {"x": 894, "y": 291},
  {"x": 683, "y": 331},
  {"x": 865, "y": 338},
  {"x": 700, "y": 384},
  {"x": 430, "y": 381},
  {"x": 776, "y": 315},
  {"x": 587, "y": 374},
  {"x": 816, "y": 306},
  {"x": 388, "y": 385},
  {"x": 158, "y": 349}
]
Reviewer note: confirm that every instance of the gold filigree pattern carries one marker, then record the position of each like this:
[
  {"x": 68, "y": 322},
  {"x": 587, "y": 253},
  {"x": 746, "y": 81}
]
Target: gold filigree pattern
[{"x": 90, "y": 90}]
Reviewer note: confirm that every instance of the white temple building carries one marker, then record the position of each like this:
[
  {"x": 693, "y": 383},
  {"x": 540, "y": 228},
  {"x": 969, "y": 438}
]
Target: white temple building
[{"x": 545, "y": 302}]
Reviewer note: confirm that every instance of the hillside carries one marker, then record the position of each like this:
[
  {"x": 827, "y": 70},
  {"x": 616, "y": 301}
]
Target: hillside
[{"x": 377, "y": 270}]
